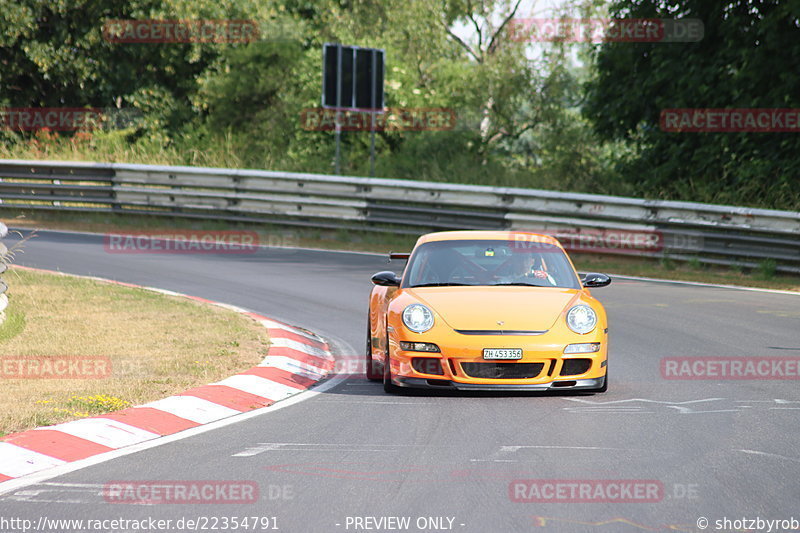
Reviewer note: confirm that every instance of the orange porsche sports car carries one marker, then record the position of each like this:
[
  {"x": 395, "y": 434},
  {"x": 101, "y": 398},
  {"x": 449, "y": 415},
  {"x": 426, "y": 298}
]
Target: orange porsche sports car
[{"x": 487, "y": 310}]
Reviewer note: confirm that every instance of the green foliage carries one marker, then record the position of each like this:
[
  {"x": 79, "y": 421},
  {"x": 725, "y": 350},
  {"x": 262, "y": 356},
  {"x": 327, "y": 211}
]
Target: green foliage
[
  {"x": 743, "y": 61},
  {"x": 246, "y": 95},
  {"x": 667, "y": 263},
  {"x": 542, "y": 120},
  {"x": 766, "y": 269}
]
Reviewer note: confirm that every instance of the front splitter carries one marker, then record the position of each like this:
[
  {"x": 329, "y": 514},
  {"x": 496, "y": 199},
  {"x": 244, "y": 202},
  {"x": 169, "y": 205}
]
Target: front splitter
[{"x": 421, "y": 383}]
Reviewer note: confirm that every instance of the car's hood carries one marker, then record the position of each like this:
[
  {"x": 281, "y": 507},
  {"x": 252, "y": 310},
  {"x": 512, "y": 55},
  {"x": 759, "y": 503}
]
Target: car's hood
[{"x": 481, "y": 308}]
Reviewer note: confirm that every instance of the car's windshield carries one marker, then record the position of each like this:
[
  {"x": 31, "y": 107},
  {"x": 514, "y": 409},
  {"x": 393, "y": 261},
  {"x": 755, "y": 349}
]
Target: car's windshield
[{"x": 489, "y": 262}]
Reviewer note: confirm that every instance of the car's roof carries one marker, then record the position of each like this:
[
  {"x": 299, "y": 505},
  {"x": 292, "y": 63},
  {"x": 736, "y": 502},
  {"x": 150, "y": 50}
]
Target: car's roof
[{"x": 519, "y": 236}]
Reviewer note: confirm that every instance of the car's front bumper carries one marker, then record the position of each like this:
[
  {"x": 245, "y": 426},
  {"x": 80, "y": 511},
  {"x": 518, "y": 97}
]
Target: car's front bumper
[
  {"x": 445, "y": 384},
  {"x": 544, "y": 366}
]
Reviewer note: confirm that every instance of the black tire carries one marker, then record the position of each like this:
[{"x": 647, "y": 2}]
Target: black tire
[
  {"x": 372, "y": 374},
  {"x": 388, "y": 386}
]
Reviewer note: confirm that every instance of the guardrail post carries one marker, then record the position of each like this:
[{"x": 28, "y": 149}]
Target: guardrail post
[{"x": 3, "y": 265}]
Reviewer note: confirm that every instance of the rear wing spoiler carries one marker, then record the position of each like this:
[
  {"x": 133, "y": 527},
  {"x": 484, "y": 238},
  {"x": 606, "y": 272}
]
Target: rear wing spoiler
[{"x": 399, "y": 255}]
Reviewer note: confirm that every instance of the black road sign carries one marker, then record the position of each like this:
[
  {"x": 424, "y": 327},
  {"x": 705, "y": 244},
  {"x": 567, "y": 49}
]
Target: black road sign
[{"x": 352, "y": 77}]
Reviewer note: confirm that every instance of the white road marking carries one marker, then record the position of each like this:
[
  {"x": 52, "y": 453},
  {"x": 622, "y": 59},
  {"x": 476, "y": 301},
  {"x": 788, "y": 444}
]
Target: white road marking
[
  {"x": 271, "y": 324},
  {"x": 580, "y": 400},
  {"x": 598, "y": 409},
  {"x": 45, "y": 491},
  {"x": 690, "y": 411},
  {"x": 511, "y": 449},
  {"x": 615, "y": 407},
  {"x": 259, "y": 386},
  {"x": 17, "y": 461},
  {"x": 765, "y": 454},
  {"x": 324, "y": 447},
  {"x": 103, "y": 431},
  {"x": 768, "y": 401},
  {"x": 156, "y": 289},
  {"x": 193, "y": 408},
  {"x": 589, "y": 410},
  {"x": 280, "y": 342},
  {"x": 24, "y": 499},
  {"x": 98, "y": 486},
  {"x": 293, "y": 365},
  {"x": 249, "y": 452},
  {"x": 232, "y": 307}
]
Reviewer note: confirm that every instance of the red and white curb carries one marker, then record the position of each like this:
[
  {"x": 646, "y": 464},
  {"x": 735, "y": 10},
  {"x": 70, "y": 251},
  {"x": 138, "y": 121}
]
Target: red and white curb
[{"x": 296, "y": 360}]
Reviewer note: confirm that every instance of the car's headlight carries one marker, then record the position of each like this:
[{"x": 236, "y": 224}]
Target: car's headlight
[
  {"x": 418, "y": 318},
  {"x": 581, "y": 319}
]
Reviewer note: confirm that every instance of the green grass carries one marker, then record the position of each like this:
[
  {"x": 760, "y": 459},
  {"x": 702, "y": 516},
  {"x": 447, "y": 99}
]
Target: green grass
[{"x": 13, "y": 325}]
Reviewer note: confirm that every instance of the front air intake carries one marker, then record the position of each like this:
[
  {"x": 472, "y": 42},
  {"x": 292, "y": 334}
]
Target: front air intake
[
  {"x": 427, "y": 365},
  {"x": 502, "y": 370},
  {"x": 573, "y": 367}
]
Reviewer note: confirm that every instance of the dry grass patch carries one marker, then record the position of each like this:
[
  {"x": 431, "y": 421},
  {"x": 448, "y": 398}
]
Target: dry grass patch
[{"x": 158, "y": 345}]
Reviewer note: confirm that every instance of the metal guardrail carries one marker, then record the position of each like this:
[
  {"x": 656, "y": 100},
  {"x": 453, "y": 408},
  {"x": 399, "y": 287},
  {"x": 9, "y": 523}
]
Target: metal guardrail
[
  {"x": 3, "y": 266},
  {"x": 710, "y": 234}
]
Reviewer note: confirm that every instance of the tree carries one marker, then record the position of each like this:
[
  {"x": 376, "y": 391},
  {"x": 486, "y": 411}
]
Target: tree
[
  {"x": 745, "y": 60},
  {"x": 54, "y": 54}
]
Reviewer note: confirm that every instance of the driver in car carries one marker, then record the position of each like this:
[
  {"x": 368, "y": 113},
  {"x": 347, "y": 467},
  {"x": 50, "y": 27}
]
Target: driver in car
[{"x": 528, "y": 268}]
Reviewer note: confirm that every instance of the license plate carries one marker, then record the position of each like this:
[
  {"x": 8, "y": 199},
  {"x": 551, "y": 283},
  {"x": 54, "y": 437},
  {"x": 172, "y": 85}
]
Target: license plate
[{"x": 502, "y": 353}]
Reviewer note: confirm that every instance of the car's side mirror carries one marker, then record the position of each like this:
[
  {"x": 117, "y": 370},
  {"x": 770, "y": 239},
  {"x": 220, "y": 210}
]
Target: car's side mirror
[
  {"x": 594, "y": 280},
  {"x": 386, "y": 279}
]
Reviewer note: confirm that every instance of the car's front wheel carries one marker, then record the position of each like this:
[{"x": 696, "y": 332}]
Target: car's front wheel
[{"x": 372, "y": 373}]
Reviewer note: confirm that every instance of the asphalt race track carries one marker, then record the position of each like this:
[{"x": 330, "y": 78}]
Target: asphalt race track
[{"x": 446, "y": 460}]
